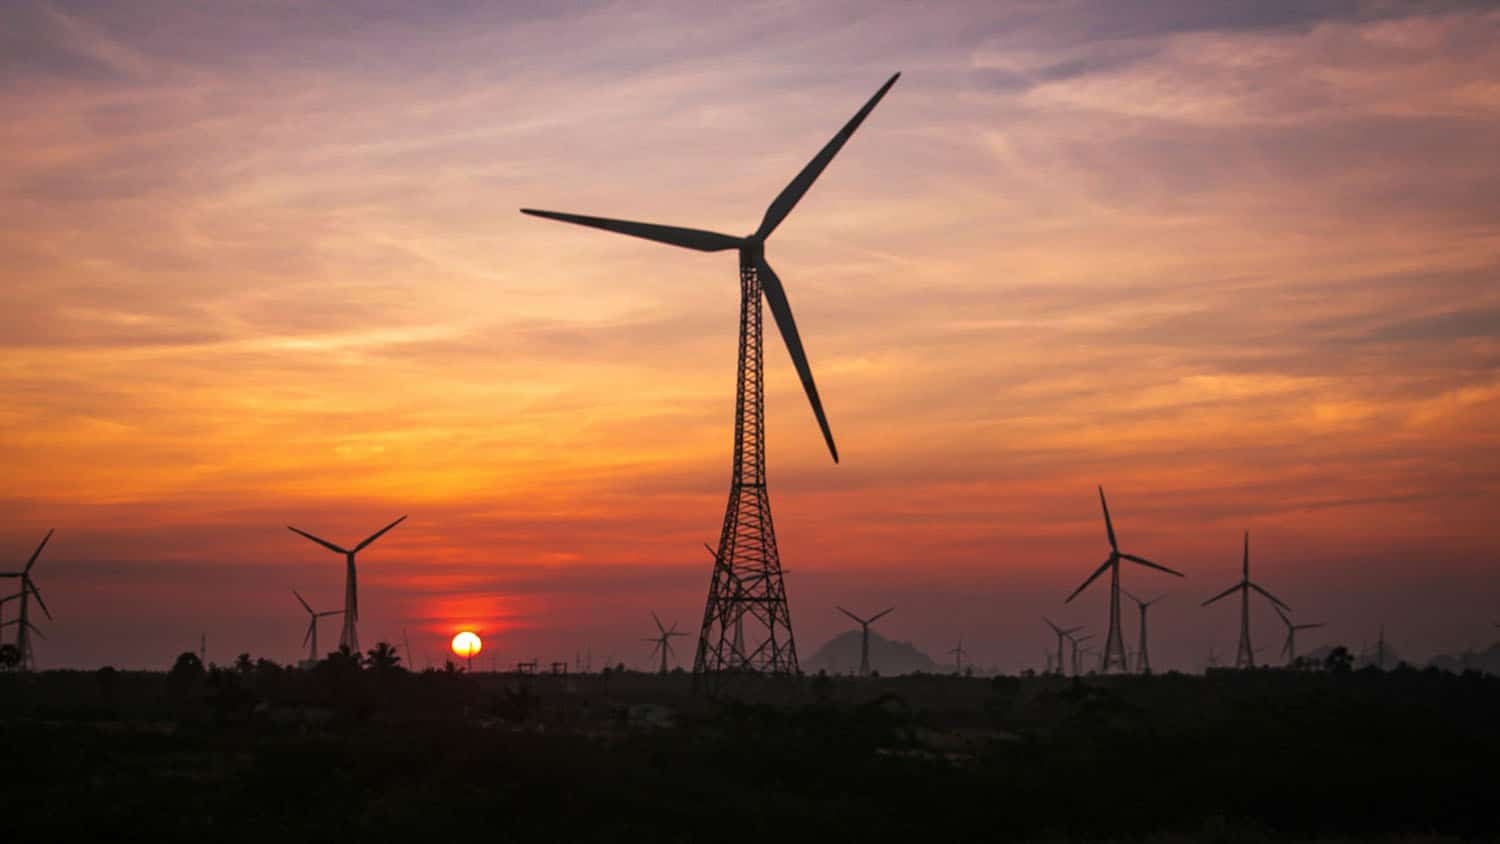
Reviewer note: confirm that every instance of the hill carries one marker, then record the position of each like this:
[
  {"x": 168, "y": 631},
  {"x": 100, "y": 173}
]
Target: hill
[{"x": 840, "y": 655}]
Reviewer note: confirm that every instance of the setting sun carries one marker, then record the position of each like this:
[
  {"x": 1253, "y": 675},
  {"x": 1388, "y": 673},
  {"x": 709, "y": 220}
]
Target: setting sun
[{"x": 467, "y": 644}]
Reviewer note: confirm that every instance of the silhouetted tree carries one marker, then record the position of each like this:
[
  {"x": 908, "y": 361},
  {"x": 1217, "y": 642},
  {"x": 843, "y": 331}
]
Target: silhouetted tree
[
  {"x": 1338, "y": 661},
  {"x": 187, "y": 667},
  {"x": 383, "y": 657},
  {"x": 10, "y": 657},
  {"x": 244, "y": 664},
  {"x": 344, "y": 658}
]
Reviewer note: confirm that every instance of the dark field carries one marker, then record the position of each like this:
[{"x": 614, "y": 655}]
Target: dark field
[{"x": 346, "y": 754}]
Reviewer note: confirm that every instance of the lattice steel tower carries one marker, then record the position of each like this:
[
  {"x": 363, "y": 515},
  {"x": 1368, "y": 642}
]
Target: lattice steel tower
[
  {"x": 747, "y": 589},
  {"x": 746, "y": 623}
]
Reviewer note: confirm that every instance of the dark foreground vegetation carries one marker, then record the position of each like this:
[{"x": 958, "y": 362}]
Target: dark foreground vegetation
[{"x": 346, "y": 751}]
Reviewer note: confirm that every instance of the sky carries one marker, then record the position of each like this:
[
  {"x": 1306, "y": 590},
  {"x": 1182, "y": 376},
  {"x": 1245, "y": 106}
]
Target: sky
[{"x": 262, "y": 265}]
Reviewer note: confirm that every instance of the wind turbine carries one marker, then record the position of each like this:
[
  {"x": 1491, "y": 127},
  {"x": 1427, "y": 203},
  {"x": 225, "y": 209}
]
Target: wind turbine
[
  {"x": 312, "y": 626},
  {"x": 1061, "y": 632},
  {"x": 663, "y": 640},
  {"x": 1244, "y": 657},
  {"x": 958, "y": 655},
  {"x": 24, "y": 627},
  {"x": 1142, "y": 657},
  {"x": 864, "y": 636},
  {"x": 747, "y": 544},
  {"x": 1076, "y": 641},
  {"x": 349, "y": 637},
  {"x": 1289, "y": 649},
  {"x": 1114, "y": 643}
]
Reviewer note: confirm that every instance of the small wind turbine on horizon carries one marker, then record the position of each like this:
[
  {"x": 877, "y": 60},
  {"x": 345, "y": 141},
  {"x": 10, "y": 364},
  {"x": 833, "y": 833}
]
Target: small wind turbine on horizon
[
  {"x": 663, "y": 640},
  {"x": 1245, "y": 655},
  {"x": 1289, "y": 648},
  {"x": 1076, "y": 641},
  {"x": 349, "y": 636},
  {"x": 1142, "y": 656},
  {"x": 1061, "y": 633},
  {"x": 864, "y": 636},
  {"x": 1114, "y": 643},
  {"x": 311, "y": 638},
  {"x": 958, "y": 653},
  {"x": 22, "y": 622}
]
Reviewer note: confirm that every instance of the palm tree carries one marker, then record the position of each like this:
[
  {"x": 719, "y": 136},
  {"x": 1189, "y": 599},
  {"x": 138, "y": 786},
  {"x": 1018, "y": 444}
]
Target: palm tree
[{"x": 383, "y": 657}]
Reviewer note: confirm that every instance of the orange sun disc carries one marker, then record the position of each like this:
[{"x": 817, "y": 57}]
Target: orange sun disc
[{"x": 467, "y": 643}]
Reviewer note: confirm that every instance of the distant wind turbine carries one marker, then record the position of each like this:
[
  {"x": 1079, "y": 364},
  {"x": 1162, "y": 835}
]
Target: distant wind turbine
[
  {"x": 311, "y": 638},
  {"x": 1142, "y": 656},
  {"x": 23, "y": 625},
  {"x": 864, "y": 636},
  {"x": 1076, "y": 641},
  {"x": 1114, "y": 643},
  {"x": 1245, "y": 656},
  {"x": 663, "y": 640},
  {"x": 1061, "y": 633},
  {"x": 349, "y": 637},
  {"x": 1289, "y": 648},
  {"x": 958, "y": 654}
]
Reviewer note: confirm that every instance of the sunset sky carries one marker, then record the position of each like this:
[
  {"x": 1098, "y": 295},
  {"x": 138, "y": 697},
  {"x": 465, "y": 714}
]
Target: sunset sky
[{"x": 261, "y": 264}]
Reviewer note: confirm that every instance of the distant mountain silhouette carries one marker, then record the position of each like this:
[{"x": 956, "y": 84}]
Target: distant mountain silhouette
[{"x": 840, "y": 655}]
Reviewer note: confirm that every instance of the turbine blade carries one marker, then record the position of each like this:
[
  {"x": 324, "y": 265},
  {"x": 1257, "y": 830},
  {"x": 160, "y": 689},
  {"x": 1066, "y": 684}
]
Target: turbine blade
[
  {"x": 323, "y": 542},
  {"x": 1286, "y": 647},
  {"x": 703, "y": 241},
  {"x": 37, "y": 630},
  {"x": 308, "y": 637},
  {"x": 879, "y": 615},
  {"x": 1145, "y": 562},
  {"x": 711, "y": 551},
  {"x": 783, "y": 204},
  {"x": 1312, "y": 626},
  {"x": 377, "y": 534},
  {"x": 1109, "y": 525},
  {"x": 1054, "y": 627},
  {"x": 782, "y": 311},
  {"x": 659, "y": 627},
  {"x": 856, "y": 618},
  {"x": 1274, "y": 599},
  {"x": 303, "y": 602},
  {"x": 37, "y": 593},
  {"x": 37, "y": 553},
  {"x": 1246, "y": 565},
  {"x": 1284, "y": 619},
  {"x": 1225, "y": 593},
  {"x": 1107, "y": 563}
]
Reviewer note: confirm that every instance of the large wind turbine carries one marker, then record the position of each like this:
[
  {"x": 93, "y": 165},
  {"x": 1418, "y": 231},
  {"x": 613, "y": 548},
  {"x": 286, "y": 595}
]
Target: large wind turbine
[
  {"x": 1114, "y": 643},
  {"x": 1142, "y": 656},
  {"x": 24, "y": 627},
  {"x": 312, "y": 627},
  {"x": 864, "y": 636},
  {"x": 1245, "y": 656},
  {"x": 349, "y": 636},
  {"x": 1061, "y": 632},
  {"x": 663, "y": 640},
  {"x": 747, "y": 578},
  {"x": 1289, "y": 648}
]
